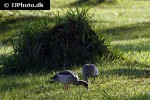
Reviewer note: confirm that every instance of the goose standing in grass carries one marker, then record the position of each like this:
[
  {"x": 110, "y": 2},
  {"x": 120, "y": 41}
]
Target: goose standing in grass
[
  {"x": 89, "y": 70},
  {"x": 67, "y": 77}
]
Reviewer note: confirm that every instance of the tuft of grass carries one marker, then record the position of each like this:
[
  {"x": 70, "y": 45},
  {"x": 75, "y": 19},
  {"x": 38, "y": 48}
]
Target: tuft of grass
[{"x": 71, "y": 41}]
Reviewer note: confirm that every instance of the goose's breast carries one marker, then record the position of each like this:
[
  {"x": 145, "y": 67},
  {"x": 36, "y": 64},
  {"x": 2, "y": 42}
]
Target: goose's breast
[{"x": 90, "y": 71}]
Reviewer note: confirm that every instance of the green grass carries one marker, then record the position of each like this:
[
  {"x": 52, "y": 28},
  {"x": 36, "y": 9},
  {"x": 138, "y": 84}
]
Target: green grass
[
  {"x": 125, "y": 23},
  {"x": 110, "y": 84}
]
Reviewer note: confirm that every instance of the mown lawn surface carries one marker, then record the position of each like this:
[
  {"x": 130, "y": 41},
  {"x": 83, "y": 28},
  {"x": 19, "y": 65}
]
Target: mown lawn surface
[{"x": 125, "y": 23}]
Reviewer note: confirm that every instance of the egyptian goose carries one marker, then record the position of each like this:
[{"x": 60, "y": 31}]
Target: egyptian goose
[
  {"x": 89, "y": 70},
  {"x": 67, "y": 77}
]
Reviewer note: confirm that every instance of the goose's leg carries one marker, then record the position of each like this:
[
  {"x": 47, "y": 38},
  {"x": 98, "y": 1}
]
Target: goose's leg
[
  {"x": 65, "y": 86},
  {"x": 93, "y": 80}
]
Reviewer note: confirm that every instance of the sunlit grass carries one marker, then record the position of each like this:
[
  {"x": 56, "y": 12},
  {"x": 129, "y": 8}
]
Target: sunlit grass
[
  {"x": 126, "y": 23},
  {"x": 116, "y": 81},
  {"x": 6, "y": 50},
  {"x": 107, "y": 86},
  {"x": 136, "y": 49},
  {"x": 132, "y": 16}
]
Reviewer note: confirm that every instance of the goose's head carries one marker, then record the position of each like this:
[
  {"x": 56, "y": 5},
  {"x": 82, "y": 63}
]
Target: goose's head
[{"x": 84, "y": 83}]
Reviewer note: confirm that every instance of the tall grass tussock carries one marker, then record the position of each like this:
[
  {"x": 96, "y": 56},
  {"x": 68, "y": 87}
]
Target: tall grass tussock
[{"x": 71, "y": 41}]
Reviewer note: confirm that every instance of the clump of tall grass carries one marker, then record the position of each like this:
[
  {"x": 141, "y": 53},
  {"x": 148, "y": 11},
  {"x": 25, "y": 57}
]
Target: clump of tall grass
[{"x": 71, "y": 41}]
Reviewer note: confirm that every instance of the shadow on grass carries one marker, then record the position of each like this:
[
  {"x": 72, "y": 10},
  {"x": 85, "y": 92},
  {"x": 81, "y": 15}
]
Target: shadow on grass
[
  {"x": 132, "y": 31},
  {"x": 145, "y": 96},
  {"x": 141, "y": 96},
  {"x": 91, "y": 2},
  {"x": 135, "y": 63},
  {"x": 129, "y": 72},
  {"x": 138, "y": 47},
  {"x": 23, "y": 81},
  {"x": 10, "y": 86},
  {"x": 10, "y": 26}
]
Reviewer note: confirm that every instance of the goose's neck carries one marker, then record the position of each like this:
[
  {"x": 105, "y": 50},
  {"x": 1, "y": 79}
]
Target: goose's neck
[{"x": 86, "y": 79}]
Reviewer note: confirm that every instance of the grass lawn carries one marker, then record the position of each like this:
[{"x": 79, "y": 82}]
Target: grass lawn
[{"x": 125, "y": 23}]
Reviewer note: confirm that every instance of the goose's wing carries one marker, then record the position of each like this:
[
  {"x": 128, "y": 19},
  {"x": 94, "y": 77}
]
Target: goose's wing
[{"x": 68, "y": 72}]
